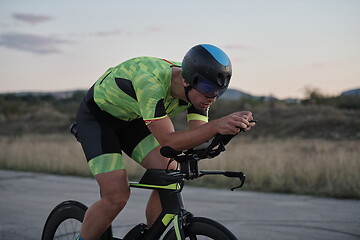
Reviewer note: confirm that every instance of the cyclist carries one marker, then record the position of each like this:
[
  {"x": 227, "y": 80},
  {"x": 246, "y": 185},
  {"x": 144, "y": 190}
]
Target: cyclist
[{"x": 129, "y": 109}]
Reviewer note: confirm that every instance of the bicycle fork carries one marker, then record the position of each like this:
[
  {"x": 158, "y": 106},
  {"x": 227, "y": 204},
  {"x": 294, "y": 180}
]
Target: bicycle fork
[
  {"x": 179, "y": 222},
  {"x": 173, "y": 211}
]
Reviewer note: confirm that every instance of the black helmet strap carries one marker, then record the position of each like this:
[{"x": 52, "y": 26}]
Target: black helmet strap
[{"x": 187, "y": 89}]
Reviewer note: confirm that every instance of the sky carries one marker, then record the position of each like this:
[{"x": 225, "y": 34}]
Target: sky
[{"x": 277, "y": 47}]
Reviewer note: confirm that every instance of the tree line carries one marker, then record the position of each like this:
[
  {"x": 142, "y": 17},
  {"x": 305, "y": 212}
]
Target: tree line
[{"x": 315, "y": 116}]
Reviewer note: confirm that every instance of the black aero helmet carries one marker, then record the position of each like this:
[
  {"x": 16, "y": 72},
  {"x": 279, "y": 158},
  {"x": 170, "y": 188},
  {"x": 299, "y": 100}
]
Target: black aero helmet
[{"x": 207, "y": 69}]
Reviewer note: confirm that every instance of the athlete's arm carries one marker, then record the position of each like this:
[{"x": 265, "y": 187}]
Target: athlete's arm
[
  {"x": 192, "y": 124},
  {"x": 164, "y": 131}
]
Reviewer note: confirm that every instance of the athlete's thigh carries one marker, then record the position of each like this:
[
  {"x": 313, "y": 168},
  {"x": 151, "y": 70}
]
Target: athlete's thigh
[
  {"x": 99, "y": 140},
  {"x": 96, "y": 137},
  {"x": 154, "y": 160},
  {"x": 137, "y": 141},
  {"x": 114, "y": 184}
]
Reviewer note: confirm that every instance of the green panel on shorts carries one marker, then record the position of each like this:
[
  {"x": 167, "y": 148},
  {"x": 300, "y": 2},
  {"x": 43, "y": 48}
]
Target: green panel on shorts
[
  {"x": 106, "y": 163},
  {"x": 144, "y": 147}
]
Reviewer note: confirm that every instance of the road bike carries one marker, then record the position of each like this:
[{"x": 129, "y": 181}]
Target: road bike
[{"x": 64, "y": 221}]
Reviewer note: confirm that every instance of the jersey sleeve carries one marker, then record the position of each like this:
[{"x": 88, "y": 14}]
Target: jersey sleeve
[
  {"x": 150, "y": 94},
  {"x": 195, "y": 114}
]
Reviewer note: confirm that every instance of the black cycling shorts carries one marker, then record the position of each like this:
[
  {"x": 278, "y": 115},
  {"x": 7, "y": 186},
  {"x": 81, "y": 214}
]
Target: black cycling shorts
[{"x": 103, "y": 137}]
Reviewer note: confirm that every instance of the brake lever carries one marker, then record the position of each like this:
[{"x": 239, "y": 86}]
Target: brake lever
[
  {"x": 241, "y": 184},
  {"x": 239, "y": 175}
]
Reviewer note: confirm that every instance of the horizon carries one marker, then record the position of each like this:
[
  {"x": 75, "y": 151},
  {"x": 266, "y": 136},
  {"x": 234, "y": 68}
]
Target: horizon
[
  {"x": 277, "y": 47},
  {"x": 44, "y": 92}
]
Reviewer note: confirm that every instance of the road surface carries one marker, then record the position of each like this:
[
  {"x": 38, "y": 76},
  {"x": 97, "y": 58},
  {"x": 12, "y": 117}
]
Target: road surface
[{"x": 26, "y": 199}]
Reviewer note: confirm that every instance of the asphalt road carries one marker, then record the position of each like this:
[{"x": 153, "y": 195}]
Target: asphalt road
[{"x": 26, "y": 199}]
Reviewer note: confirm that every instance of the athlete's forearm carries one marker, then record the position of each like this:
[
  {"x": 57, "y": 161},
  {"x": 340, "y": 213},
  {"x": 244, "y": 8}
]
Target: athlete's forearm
[
  {"x": 164, "y": 132},
  {"x": 182, "y": 140}
]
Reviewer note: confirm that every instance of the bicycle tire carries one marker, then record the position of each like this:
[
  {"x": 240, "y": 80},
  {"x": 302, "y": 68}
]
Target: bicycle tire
[
  {"x": 65, "y": 220},
  {"x": 200, "y": 228}
]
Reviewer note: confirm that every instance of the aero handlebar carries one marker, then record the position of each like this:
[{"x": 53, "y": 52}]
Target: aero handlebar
[{"x": 206, "y": 150}]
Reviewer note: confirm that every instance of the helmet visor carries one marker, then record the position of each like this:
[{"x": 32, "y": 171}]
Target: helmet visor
[{"x": 209, "y": 89}]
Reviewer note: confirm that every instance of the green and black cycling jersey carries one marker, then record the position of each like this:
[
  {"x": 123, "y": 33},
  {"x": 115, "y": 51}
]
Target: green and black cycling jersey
[
  {"x": 112, "y": 117},
  {"x": 140, "y": 88}
]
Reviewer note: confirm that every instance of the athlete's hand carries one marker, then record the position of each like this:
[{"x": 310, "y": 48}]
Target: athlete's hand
[
  {"x": 249, "y": 117},
  {"x": 232, "y": 124}
]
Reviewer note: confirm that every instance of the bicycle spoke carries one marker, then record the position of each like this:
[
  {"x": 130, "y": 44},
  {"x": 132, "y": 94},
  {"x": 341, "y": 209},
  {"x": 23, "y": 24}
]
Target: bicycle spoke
[{"x": 68, "y": 230}]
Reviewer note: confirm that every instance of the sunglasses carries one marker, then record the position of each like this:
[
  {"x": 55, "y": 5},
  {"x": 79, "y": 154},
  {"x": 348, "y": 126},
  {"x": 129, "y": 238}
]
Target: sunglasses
[{"x": 209, "y": 89}]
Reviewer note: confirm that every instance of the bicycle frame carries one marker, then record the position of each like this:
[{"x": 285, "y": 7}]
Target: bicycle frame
[{"x": 169, "y": 184}]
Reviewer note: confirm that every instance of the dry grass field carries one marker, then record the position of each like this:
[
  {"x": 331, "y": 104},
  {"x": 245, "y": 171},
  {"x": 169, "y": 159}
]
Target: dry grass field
[{"x": 315, "y": 167}]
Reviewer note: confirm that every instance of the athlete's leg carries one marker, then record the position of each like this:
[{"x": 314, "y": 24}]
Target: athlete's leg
[
  {"x": 142, "y": 146},
  {"x": 154, "y": 160},
  {"x": 115, "y": 193},
  {"x": 98, "y": 135}
]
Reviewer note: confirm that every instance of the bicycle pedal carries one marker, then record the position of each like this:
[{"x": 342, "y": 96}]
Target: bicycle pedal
[{"x": 136, "y": 232}]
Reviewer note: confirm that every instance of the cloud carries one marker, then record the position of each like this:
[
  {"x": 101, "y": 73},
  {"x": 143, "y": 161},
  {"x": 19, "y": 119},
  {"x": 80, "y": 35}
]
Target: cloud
[
  {"x": 30, "y": 18},
  {"x": 108, "y": 33},
  {"x": 31, "y": 43},
  {"x": 117, "y": 32},
  {"x": 155, "y": 29},
  {"x": 237, "y": 47},
  {"x": 319, "y": 65}
]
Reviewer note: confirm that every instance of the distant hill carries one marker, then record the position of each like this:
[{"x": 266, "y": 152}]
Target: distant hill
[
  {"x": 233, "y": 94},
  {"x": 56, "y": 94},
  {"x": 230, "y": 94},
  {"x": 351, "y": 92}
]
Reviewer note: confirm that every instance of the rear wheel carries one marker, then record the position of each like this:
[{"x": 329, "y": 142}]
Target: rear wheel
[
  {"x": 201, "y": 229},
  {"x": 64, "y": 222}
]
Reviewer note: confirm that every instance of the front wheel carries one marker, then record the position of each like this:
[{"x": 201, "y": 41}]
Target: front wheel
[
  {"x": 64, "y": 222},
  {"x": 203, "y": 228}
]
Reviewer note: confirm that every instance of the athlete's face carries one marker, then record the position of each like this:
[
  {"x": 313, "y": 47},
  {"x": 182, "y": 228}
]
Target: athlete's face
[{"x": 199, "y": 100}]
